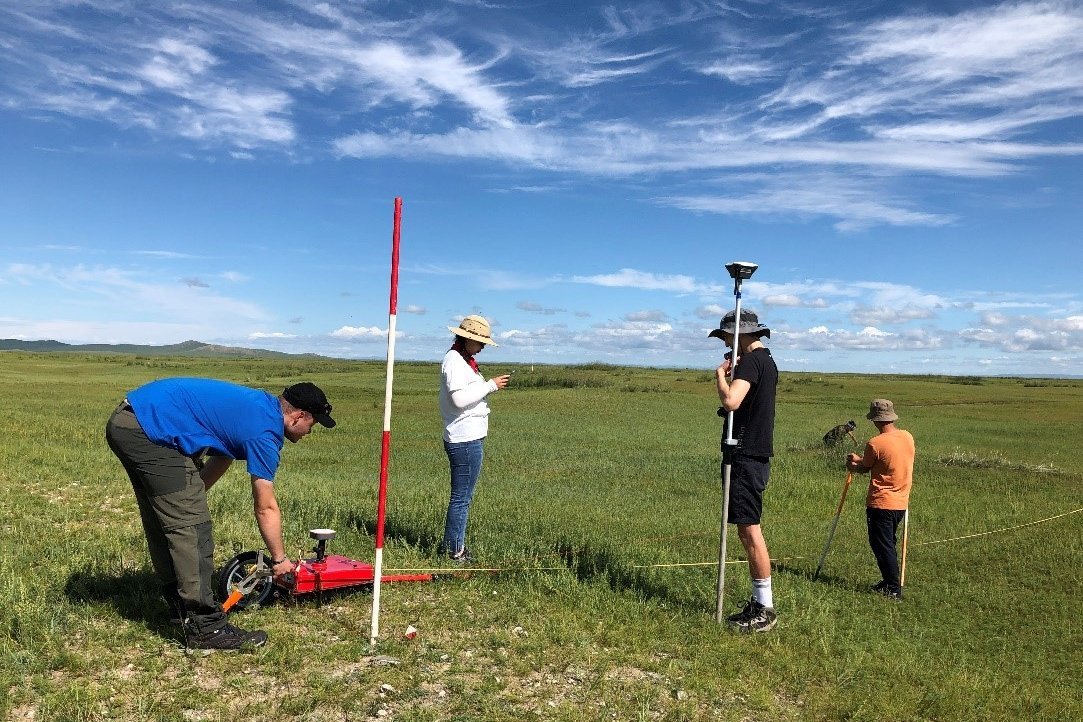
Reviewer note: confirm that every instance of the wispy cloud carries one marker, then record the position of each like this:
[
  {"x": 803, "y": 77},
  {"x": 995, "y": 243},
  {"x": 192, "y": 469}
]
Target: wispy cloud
[
  {"x": 362, "y": 333},
  {"x": 631, "y": 278},
  {"x": 261, "y": 335},
  {"x": 949, "y": 94},
  {"x": 169, "y": 303},
  {"x": 165, "y": 254},
  {"x": 856, "y": 206},
  {"x": 537, "y": 308}
]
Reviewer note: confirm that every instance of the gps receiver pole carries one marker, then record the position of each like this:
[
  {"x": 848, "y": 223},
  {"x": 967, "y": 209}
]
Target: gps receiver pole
[{"x": 739, "y": 271}]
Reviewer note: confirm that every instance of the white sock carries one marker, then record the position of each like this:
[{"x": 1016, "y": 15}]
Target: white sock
[{"x": 761, "y": 592}]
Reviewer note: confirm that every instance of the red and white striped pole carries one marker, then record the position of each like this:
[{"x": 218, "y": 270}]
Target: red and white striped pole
[{"x": 385, "y": 446}]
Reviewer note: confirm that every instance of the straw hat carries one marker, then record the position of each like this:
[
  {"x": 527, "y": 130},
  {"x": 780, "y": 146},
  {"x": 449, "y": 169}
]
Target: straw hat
[{"x": 475, "y": 328}]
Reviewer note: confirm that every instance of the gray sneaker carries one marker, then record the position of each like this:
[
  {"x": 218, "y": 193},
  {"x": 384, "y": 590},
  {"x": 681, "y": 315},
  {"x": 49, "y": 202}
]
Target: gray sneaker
[
  {"x": 753, "y": 617},
  {"x": 227, "y": 637}
]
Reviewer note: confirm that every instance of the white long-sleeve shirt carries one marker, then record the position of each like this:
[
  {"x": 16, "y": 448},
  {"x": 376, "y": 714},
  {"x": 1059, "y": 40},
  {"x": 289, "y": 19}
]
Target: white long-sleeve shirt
[{"x": 462, "y": 399}]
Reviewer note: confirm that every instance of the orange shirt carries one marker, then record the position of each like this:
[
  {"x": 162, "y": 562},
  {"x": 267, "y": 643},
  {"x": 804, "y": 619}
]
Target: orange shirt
[{"x": 890, "y": 456}]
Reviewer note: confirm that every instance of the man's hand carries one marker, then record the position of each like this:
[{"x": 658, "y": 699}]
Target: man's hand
[
  {"x": 853, "y": 463},
  {"x": 281, "y": 568},
  {"x": 501, "y": 381}
]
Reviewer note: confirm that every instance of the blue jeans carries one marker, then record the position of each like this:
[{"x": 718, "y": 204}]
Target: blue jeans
[{"x": 465, "y": 459}]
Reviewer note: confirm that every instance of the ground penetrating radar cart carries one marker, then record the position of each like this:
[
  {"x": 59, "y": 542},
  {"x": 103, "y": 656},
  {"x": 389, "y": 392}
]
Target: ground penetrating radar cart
[{"x": 246, "y": 579}]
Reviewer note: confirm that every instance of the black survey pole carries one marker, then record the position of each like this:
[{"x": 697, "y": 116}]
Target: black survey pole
[{"x": 739, "y": 271}]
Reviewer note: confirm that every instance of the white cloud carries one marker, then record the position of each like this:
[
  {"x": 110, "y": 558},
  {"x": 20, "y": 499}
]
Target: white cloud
[
  {"x": 822, "y": 338},
  {"x": 741, "y": 70},
  {"x": 711, "y": 311},
  {"x": 631, "y": 278},
  {"x": 76, "y": 331},
  {"x": 260, "y": 335},
  {"x": 855, "y": 206},
  {"x": 537, "y": 308},
  {"x": 362, "y": 333},
  {"x": 653, "y": 316},
  {"x": 128, "y": 289},
  {"x": 889, "y": 314},
  {"x": 1016, "y": 334},
  {"x": 946, "y": 94}
]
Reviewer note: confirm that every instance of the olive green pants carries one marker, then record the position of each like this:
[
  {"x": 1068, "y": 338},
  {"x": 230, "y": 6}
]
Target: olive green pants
[{"x": 176, "y": 520}]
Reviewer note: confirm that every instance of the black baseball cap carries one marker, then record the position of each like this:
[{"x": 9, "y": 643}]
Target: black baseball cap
[{"x": 309, "y": 397}]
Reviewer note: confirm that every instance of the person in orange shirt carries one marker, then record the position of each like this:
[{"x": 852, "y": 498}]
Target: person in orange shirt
[{"x": 890, "y": 457}]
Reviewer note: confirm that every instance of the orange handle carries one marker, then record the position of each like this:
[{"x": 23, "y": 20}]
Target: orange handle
[{"x": 232, "y": 599}]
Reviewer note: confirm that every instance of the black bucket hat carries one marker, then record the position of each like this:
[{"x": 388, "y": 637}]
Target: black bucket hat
[{"x": 750, "y": 325}]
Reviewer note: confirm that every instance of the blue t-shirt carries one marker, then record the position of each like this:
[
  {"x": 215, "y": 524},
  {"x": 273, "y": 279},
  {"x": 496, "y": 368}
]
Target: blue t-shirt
[{"x": 193, "y": 415}]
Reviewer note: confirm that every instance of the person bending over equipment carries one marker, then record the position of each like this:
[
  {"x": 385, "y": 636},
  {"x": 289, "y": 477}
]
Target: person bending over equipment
[
  {"x": 840, "y": 432},
  {"x": 176, "y": 438}
]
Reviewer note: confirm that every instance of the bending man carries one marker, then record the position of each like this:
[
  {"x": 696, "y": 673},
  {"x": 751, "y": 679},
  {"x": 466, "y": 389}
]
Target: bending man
[{"x": 176, "y": 438}]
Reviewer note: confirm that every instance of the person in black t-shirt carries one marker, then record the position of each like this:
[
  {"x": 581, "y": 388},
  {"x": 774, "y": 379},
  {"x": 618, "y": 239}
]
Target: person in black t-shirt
[{"x": 751, "y": 398}]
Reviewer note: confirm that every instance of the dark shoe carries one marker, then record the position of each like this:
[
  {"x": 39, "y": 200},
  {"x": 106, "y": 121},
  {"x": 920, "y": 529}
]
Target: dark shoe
[
  {"x": 462, "y": 557},
  {"x": 753, "y": 617},
  {"x": 891, "y": 591},
  {"x": 742, "y": 616},
  {"x": 227, "y": 637}
]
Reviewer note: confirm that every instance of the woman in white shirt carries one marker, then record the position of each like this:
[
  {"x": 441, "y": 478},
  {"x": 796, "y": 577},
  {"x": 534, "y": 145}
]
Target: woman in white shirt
[{"x": 466, "y": 423}]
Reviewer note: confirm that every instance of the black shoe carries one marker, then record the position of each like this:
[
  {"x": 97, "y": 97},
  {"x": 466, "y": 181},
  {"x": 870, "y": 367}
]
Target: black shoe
[
  {"x": 753, "y": 617},
  {"x": 463, "y": 556},
  {"x": 742, "y": 616},
  {"x": 891, "y": 591},
  {"x": 227, "y": 637}
]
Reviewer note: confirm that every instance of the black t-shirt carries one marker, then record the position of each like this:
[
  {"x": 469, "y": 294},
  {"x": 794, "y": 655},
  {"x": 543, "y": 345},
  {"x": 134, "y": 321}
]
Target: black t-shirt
[{"x": 754, "y": 419}]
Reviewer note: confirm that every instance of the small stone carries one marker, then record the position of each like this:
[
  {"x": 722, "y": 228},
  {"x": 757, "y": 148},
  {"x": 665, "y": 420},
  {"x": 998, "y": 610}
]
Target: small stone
[{"x": 382, "y": 661}]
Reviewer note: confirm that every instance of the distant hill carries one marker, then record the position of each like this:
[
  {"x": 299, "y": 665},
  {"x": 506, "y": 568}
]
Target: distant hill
[{"x": 186, "y": 348}]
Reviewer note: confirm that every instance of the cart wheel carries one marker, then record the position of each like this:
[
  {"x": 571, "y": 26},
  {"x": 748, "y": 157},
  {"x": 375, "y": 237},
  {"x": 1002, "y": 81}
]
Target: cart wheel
[{"x": 235, "y": 570}]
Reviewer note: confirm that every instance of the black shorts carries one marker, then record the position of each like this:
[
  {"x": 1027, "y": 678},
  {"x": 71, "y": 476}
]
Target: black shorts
[{"x": 748, "y": 479}]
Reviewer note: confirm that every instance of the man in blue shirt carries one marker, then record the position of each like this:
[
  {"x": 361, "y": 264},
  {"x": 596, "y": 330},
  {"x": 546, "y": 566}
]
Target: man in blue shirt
[{"x": 176, "y": 438}]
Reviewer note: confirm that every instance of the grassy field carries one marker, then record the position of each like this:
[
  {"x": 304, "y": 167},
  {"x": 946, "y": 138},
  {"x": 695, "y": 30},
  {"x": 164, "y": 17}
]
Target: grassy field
[{"x": 599, "y": 505}]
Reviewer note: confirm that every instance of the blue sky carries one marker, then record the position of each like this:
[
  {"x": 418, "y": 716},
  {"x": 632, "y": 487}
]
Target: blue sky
[{"x": 906, "y": 175}]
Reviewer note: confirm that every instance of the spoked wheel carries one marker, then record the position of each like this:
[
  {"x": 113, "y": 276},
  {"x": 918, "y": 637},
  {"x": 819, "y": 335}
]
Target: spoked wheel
[{"x": 234, "y": 572}]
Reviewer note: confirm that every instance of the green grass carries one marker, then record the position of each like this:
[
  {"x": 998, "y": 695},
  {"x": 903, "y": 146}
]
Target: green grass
[{"x": 599, "y": 502}]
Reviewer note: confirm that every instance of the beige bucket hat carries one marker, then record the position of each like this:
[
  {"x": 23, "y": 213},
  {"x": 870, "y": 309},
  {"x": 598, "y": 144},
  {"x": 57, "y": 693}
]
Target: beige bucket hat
[
  {"x": 881, "y": 410},
  {"x": 475, "y": 328}
]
